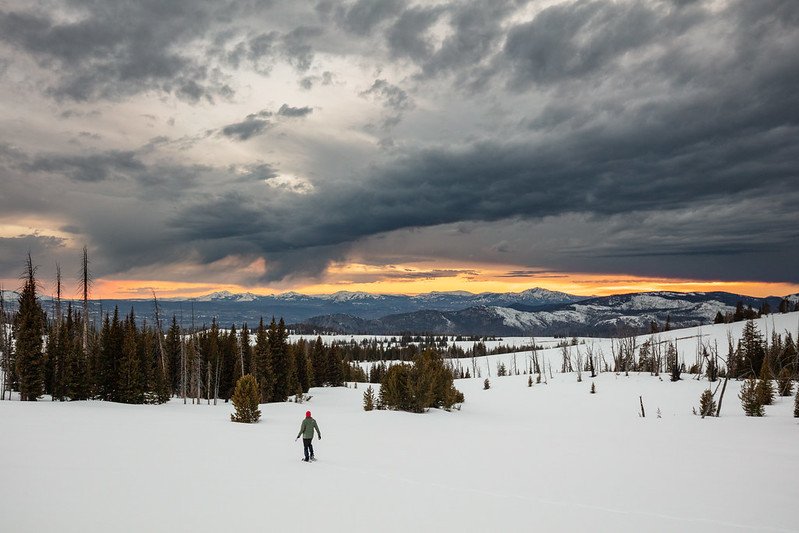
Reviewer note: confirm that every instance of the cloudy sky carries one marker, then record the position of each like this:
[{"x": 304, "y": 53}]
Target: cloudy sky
[{"x": 399, "y": 146}]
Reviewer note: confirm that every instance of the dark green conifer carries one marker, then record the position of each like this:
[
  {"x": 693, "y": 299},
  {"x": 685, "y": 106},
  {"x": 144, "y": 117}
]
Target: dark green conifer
[
  {"x": 707, "y": 405},
  {"x": 281, "y": 363},
  {"x": 245, "y": 400},
  {"x": 129, "y": 375},
  {"x": 796, "y": 404},
  {"x": 486, "y": 384},
  {"x": 263, "y": 361},
  {"x": 593, "y": 387},
  {"x": 750, "y": 399},
  {"x": 369, "y": 399},
  {"x": 765, "y": 387},
  {"x": 29, "y": 329}
]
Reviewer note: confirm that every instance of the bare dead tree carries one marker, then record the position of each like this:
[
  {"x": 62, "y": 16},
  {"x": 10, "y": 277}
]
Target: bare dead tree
[
  {"x": 566, "y": 365},
  {"x": 4, "y": 355},
  {"x": 589, "y": 352},
  {"x": 85, "y": 284},
  {"x": 58, "y": 294},
  {"x": 579, "y": 364},
  {"x": 160, "y": 333}
]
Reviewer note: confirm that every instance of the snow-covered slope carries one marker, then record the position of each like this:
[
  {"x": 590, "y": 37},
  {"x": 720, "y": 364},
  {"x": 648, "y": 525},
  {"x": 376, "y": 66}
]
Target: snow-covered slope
[{"x": 546, "y": 458}]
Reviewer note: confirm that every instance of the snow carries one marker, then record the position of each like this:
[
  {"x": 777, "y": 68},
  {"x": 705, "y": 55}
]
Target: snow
[{"x": 550, "y": 458}]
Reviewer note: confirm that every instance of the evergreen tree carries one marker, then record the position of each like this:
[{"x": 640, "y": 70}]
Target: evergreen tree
[
  {"x": 707, "y": 405},
  {"x": 172, "y": 348},
  {"x": 369, "y": 399},
  {"x": 765, "y": 388},
  {"x": 278, "y": 348},
  {"x": 486, "y": 384},
  {"x": 593, "y": 387},
  {"x": 128, "y": 388},
  {"x": 245, "y": 400},
  {"x": 750, "y": 399},
  {"x": 796, "y": 404},
  {"x": 263, "y": 362},
  {"x": 319, "y": 360},
  {"x": 752, "y": 350},
  {"x": 29, "y": 329},
  {"x": 335, "y": 376},
  {"x": 301, "y": 366}
]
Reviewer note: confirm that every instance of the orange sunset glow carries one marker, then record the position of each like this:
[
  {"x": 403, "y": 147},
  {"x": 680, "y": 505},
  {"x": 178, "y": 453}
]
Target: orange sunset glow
[{"x": 406, "y": 279}]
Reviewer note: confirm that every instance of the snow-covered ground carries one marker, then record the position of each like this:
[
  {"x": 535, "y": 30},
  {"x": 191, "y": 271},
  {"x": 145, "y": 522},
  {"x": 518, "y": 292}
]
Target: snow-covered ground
[{"x": 547, "y": 458}]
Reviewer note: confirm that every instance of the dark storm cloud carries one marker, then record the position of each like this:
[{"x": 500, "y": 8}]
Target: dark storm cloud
[
  {"x": 254, "y": 124},
  {"x": 119, "y": 48},
  {"x": 90, "y": 168},
  {"x": 645, "y": 143},
  {"x": 408, "y": 37},
  {"x": 364, "y": 16},
  {"x": 13, "y": 251},
  {"x": 294, "y": 112},
  {"x": 390, "y": 95}
]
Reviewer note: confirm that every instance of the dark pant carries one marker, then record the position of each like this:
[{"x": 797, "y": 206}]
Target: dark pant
[{"x": 307, "y": 447}]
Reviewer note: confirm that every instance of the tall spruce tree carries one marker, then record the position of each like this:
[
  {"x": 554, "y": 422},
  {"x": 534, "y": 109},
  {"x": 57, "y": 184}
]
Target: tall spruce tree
[
  {"x": 752, "y": 350},
  {"x": 262, "y": 355},
  {"x": 319, "y": 361},
  {"x": 281, "y": 363},
  {"x": 29, "y": 330}
]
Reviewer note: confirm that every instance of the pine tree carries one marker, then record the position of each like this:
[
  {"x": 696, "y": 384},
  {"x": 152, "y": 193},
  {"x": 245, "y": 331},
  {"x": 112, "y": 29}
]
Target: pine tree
[
  {"x": 319, "y": 361},
  {"x": 278, "y": 347},
  {"x": 750, "y": 399},
  {"x": 29, "y": 329},
  {"x": 707, "y": 405},
  {"x": 128, "y": 378},
  {"x": 245, "y": 400},
  {"x": 765, "y": 387},
  {"x": 752, "y": 351},
  {"x": 530, "y": 380},
  {"x": 486, "y": 384},
  {"x": 263, "y": 362},
  {"x": 593, "y": 387},
  {"x": 369, "y": 399},
  {"x": 796, "y": 404}
]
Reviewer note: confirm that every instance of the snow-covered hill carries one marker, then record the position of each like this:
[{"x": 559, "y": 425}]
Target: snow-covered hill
[{"x": 551, "y": 457}]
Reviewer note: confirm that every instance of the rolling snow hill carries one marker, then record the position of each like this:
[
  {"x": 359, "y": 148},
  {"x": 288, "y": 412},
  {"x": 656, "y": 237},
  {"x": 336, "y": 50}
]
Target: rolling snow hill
[{"x": 550, "y": 457}]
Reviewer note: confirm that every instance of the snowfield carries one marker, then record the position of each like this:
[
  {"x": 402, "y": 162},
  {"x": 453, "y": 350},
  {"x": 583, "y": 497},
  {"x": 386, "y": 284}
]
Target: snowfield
[{"x": 515, "y": 458}]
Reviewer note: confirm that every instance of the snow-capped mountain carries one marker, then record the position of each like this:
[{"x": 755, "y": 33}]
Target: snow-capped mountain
[
  {"x": 227, "y": 296},
  {"x": 593, "y": 316}
]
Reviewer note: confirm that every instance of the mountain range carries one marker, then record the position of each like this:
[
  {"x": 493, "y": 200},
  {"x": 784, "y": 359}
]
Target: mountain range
[{"x": 532, "y": 312}]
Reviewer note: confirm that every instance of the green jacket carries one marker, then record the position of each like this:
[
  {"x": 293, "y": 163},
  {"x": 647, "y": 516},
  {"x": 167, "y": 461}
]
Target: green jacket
[{"x": 307, "y": 427}]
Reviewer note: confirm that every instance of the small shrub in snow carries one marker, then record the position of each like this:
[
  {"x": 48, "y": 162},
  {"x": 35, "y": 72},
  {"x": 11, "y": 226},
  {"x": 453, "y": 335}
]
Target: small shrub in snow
[
  {"x": 369, "y": 399},
  {"x": 796, "y": 404},
  {"x": 529, "y": 381},
  {"x": 784, "y": 383},
  {"x": 486, "y": 384},
  {"x": 750, "y": 399},
  {"x": 245, "y": 400},
  {"x": 593, "y": 388},
  {"x": 707, "y": 405},
  {"x": 501, "y": 370}
]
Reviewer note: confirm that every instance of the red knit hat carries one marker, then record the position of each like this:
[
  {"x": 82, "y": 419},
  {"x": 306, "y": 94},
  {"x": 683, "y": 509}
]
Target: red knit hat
[{"x": 307, "y": 414}]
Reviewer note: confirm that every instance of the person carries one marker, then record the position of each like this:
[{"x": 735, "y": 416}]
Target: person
[{"x": 306, "y": 430}]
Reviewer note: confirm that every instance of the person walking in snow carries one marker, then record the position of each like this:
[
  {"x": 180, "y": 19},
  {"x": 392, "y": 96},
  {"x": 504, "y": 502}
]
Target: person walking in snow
[{"x": 306, "y": 430}]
